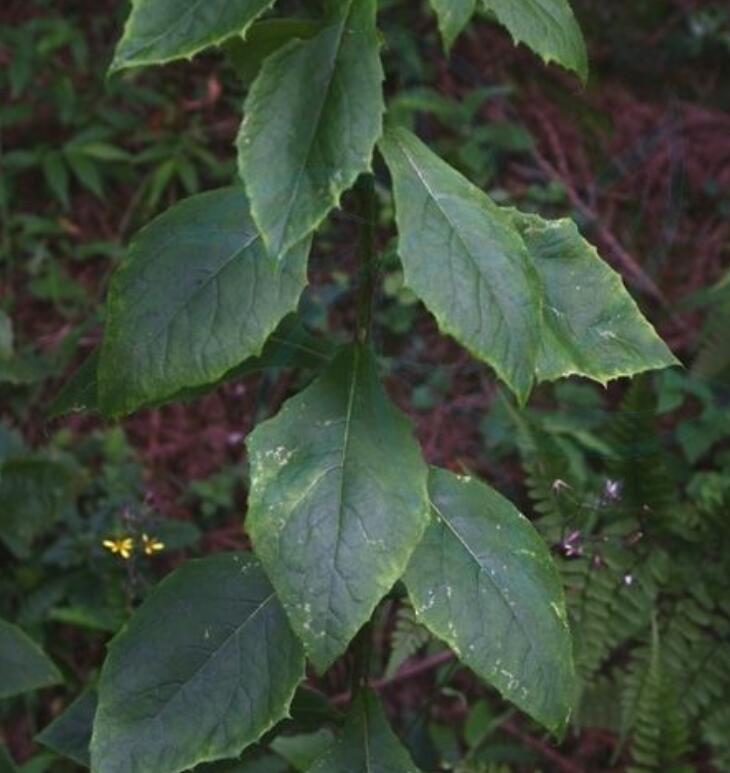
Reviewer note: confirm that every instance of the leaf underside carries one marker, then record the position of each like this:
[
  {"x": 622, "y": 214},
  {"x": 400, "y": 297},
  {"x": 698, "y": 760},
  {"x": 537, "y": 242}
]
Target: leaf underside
[
  {"x": 203, "y": 668},
  {"x": 337, "y": 502},
  {"x": 482, "y": 579}
]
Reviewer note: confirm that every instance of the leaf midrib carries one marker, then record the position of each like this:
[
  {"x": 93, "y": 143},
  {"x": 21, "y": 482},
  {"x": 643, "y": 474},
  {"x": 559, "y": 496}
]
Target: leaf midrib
[
  {"x": 320, "y": 112},
  {"x": 512, "y": 613},
  {"x": 206, "y": 661}
]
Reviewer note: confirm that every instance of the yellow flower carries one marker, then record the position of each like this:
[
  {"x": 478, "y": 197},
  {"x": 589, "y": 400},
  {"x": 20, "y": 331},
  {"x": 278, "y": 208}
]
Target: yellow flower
[
  {"x": 151, "y": 545},
  {"x": 121, "y": 546}
]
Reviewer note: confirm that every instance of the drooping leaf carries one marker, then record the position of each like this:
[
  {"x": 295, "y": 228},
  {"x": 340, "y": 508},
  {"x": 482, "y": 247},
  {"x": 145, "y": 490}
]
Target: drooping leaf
[
  {"x": 196, "y": 295},
  {"x": 291, "y": 345},
  {"x": 337, "y": 503},
  {"x": 204, "y": 667},
  {"x": 247, "y": 52},
  {"x": 70, "y": 733},
  {"x": 367, "y": 744},
  {"x": 453, "y": 16},
  {"x": 482, "y": 579},
  {"x": 159, "y": 31},
  {"x": 23, "y": 665},
  {"x": 312, "y": 118},
  {"x": 32, "y": 492},
  {"x": 591, "y": 325},
  {"x": 463, "y": 257},
  {"x": 548, "y": 27}
]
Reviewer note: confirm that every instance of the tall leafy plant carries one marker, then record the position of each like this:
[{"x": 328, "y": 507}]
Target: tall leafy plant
[{"x": 342, "y": 504}]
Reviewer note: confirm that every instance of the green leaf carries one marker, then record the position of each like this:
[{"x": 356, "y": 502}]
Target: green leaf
[
  {"x": 367, "y": 744},
  {"x": 291, "y": 345},
  {"x": 204, "y": 667},
  {"x": 32, "y": 492},
  {"x": 23, "y": 665},
  {"x": 548, "y": 27},
  {"x": 159, "y": 31},
  {"x": 196, "y": 295},
  {"x": 482, "y": 579},
  {"x": 248, "y": 52},
  {"x": 300, "y": 751},
  {"x": 312, "y": 118},
  {"x": 591, "y": 325},
  {"x": 7, "y": 347},
  {"x": 56, "y": 174},
  {"x": 338, "y": 501},
  {"x": 453, "y": 16},
  {"x": 462, "y": 256},
  {"x": 70, "y": 733}
]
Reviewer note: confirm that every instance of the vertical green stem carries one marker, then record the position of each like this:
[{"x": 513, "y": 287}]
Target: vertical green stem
[{"x": 367, "y": 212}]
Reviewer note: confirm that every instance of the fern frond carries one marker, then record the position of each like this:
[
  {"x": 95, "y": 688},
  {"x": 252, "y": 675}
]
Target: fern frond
[{"x": 407, "y": 637}]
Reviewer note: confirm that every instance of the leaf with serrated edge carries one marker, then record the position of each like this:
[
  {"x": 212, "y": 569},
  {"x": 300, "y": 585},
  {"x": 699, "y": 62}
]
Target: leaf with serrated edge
[
  {"x": 367, "y": 744},
  {"x": 548, "y": 27},
  {"x": 337, "y": 503},
  {"x": 591, "y": 325},
  {"x": 453, "y": 16},
  {"x": 195, "y": 296},
  {"x": 203, "y": 668},
  {"x": 159, "y": 31},
  {"x": 311, "y": 121},
  {"x": 23, "y": 665},
  {"x": 464, "y": 259},
  {"x": 482, "y": 579}
]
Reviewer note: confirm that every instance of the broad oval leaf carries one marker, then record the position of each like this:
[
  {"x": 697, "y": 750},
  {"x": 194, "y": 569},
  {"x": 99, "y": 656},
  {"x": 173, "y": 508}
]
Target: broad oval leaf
[
  {"x": 591, "y": 325},
  {"x": 548, "y": 27},
  {"x": 453, "y": 16},
  {"x": 463, "y": 257},
  {"x": 196, "y": 295},
  {"x": 203, "y": 668},
  {"x": 23, "y": 665},
  {"x": 159, "y": 31},
  {"x": 311, "y": 121},
  {"x": 367, "y": 744},
  {"x": 482, "y": 579},
  {"x": 338, "y": 501}
]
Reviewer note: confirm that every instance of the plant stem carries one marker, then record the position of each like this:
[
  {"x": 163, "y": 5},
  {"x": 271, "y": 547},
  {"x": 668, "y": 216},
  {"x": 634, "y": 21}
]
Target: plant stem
[{"x": 367, "y": 212}]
